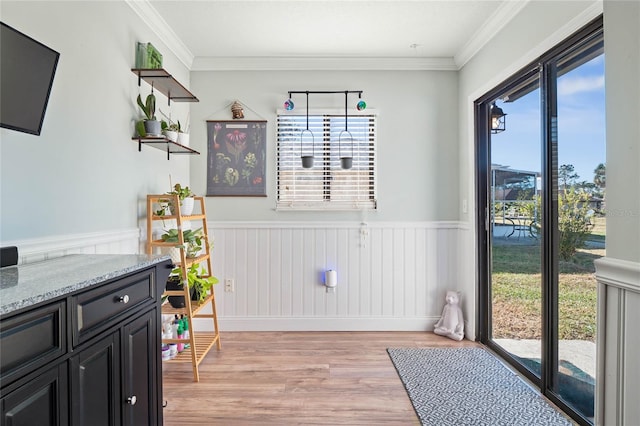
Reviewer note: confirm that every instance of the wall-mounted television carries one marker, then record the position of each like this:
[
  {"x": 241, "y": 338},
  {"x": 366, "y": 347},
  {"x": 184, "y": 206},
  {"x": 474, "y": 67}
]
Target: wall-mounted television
[{"x": 27, "y": 68}]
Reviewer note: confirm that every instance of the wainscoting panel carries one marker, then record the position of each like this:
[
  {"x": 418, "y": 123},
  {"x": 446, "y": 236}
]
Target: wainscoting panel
[
  {"x": 125, "y": 241},
  {"x": 391, "y": 276},
  {"x": 618, "y": 342}
]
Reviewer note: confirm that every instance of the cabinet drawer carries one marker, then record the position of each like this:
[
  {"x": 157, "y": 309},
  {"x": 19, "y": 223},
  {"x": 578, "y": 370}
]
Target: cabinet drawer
[
  {"x": 95, "y": 310},
  {"x": 31, "y": 340}
]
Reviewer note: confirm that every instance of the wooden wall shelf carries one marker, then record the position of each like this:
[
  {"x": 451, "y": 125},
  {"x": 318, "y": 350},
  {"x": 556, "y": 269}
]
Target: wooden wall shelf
[
  {"x": 163, "y": 82},
  {"x": 164, "y": 144}
]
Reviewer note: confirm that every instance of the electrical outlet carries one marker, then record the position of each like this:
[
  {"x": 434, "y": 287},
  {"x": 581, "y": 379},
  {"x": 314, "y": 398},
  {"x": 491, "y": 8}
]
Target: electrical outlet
[{"x": 229, "y": 285}]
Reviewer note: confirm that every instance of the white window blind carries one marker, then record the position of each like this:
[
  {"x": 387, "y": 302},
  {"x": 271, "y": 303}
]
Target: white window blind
[{"x": 326, "y": 185}]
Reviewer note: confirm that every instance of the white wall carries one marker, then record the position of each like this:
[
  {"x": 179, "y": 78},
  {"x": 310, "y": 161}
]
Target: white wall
[
  {"x": 83, "y": 175},
  {"x": 417, "y": 137},
  {"x": 537, "y": 28},
  {"x": 418, "y": 176},
  {"x": 276, "y": 258},
  {"x": 622, "y": 65},
  {"x": 618, "y": 273}
]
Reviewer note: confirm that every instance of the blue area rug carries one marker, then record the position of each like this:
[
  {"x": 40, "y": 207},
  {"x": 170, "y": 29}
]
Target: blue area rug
[{"x": 469, "y": 386}]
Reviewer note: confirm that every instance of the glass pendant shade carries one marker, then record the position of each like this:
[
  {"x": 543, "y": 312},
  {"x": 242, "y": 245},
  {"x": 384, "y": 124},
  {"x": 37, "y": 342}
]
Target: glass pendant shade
[{"x": 288, "y": 104}]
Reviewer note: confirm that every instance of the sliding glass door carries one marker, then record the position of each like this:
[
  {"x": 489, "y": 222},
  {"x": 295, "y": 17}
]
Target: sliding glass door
[
  {"x": 515, "y": 167},
  {"x": 541, "y": 162}
]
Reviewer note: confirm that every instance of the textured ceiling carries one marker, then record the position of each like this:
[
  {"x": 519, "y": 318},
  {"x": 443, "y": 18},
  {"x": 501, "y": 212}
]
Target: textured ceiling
[{"x": 353, "y": 29}]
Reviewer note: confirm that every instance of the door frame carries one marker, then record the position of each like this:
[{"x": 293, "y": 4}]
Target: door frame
[{"x": 545, "y": 67}]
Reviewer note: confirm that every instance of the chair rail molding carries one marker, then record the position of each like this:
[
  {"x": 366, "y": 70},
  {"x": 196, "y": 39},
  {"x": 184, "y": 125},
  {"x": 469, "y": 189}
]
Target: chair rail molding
[{"x": 122, "y": 241}]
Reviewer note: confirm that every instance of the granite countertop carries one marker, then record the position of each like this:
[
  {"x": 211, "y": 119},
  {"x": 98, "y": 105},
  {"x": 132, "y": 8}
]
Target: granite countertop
[{"x": 27, "y": 285}]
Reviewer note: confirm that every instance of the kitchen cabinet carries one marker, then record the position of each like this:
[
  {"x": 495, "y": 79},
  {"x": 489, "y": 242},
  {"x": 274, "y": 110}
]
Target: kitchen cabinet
[
  {"x": 90, "y": 355},
  {"x": 40, "y": 401}
]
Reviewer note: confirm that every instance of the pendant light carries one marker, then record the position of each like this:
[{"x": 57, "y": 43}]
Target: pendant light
[
  {"x": 361, "y": 105},
  {"x": 307, "y": 160},
  {"x": 498, "y": 119},
  {"x": 288, "y": 104},
  {"x": 346, "y": 162}
]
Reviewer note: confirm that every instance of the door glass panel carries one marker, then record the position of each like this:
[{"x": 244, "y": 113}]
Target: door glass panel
[
  {"x": 581, "y": 225},
  {"x": 516, "y": 290}
]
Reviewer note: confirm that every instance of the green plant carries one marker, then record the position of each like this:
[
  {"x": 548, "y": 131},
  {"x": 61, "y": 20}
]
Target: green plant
[
  {"x": 574, "y": 221},
  {"x": 181, "y": 192},
  {"x": 164, "y": 208},
  {"x": 192, "y": 239},
  {"x": 173, "y": 127},
  {"x": 198, "y": 279},
  {"x": 149, "y": 107}
]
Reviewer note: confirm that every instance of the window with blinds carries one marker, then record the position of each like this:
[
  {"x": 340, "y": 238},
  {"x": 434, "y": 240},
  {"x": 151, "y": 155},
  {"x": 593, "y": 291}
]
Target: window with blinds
[{"x": 326, "y": 186}]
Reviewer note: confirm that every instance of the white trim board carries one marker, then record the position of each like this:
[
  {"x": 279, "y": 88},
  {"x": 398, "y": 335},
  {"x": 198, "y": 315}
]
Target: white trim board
[
  {"x": 123, "y": 241},
  {"x": 618, "y": 273},
  {"x": 336, "y": 225}
]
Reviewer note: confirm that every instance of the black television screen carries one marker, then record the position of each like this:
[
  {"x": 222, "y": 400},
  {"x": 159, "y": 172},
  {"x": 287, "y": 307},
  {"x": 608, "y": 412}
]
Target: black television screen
[{"x": 27, "y": 68}]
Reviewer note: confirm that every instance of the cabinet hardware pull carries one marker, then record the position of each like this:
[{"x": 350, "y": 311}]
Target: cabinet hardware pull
[
  {"x": 132, "y": 400},
  {"x": 124, "y": 299}
]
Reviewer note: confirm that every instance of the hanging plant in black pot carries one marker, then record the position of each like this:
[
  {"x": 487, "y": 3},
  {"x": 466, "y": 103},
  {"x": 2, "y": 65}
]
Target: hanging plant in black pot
[
  {"x": 174, "y": 284},
  {"x": 198, "y": 280}
]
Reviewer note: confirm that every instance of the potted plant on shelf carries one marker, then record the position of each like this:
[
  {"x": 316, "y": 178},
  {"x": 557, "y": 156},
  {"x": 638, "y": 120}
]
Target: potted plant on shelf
[
  {"x": 174, "y": 283},
  {"x": 149, "y": 126},
  {"x": 164, "y": 208},
  {"x": 183, "y": 135},
  {"x": 186, "y": 198},
  {"x": 171, "y": 130},
  {"x": 201, "y": 283},
  {"x": 174, "y": 131},
  {"x": 192, "y": 239},
  {"x": 197, "y": 280}
]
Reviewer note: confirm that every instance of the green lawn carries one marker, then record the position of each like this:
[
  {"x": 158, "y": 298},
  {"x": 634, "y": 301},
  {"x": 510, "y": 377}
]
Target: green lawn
[{"x": 517, "y": 293}]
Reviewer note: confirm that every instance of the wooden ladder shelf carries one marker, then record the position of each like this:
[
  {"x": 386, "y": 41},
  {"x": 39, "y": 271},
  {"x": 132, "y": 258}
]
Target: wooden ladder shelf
[{"x": 199, "y": 342}]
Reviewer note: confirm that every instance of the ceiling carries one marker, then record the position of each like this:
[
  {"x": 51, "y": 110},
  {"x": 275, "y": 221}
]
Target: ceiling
[{"x": 214, "y": 34}]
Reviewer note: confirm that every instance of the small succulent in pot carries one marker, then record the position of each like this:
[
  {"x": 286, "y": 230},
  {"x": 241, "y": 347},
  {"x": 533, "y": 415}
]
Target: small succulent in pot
[
  {"x": 150, "y": 125},
  {"x": 171, "y": 130}
]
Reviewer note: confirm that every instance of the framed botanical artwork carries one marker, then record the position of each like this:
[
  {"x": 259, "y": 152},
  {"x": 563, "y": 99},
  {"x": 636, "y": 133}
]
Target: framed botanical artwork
[{"x": 236, "y": 158}]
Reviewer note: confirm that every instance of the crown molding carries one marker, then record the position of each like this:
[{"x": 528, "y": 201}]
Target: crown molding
[
  {"x": 159, "y": 26},
  {"x": 321, "y": 64},
  {"x": 496, "y": 22}
]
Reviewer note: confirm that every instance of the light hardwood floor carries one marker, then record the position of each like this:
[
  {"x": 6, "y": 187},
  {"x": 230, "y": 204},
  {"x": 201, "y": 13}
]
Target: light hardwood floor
[{"x": 296, "y": 378}]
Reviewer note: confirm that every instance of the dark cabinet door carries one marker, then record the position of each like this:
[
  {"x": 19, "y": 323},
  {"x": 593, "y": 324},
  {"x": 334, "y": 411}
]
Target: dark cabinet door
[
  {"x": 140, "y": 370},
  {"x": 41, "y": 401},
  {"x": 95, "y": 384}
]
